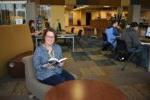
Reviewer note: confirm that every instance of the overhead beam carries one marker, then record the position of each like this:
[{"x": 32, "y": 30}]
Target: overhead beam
[
  {"x": 99, "y": 2},
  {"x": 80, "y": 2}
]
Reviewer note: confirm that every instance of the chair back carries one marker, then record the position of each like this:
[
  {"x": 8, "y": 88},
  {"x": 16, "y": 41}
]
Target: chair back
[
  {"x": 106, "y": 44},
  {"x": 121, "y": 52},
  {"x": 104, "y": 36},
  {"x": 121, "y": 45},
  {"x": 29, "y": 70},
  {"x": 35, "y": 87}
]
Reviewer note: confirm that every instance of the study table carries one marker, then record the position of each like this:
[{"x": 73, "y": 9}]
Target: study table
[
  {"x": 67, "y": 36},
  {"x": 148, "y": 45},
  {"x": 85, "y": 90}
]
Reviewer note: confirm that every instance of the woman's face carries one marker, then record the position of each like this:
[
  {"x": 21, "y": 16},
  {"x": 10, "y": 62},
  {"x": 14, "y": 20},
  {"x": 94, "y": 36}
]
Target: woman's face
[{"x": 49, "y": 38}]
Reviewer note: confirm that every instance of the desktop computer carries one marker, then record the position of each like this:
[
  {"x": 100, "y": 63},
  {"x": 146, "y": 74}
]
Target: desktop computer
[
  {"x": 147, "y": 34},
  {"x": 146, "y": 37}
]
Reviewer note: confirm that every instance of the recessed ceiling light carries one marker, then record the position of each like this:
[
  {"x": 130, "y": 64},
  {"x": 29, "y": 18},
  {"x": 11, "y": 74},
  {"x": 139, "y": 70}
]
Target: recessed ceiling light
[{"x": 106, "y": 6}]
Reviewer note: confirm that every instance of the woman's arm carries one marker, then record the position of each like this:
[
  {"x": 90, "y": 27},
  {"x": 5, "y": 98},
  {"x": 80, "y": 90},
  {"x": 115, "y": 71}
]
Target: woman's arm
[{"x": 37, "y": 61}]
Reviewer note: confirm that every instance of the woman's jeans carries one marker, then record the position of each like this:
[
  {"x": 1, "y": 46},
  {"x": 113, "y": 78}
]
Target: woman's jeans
[{"x": 58, "y": 78}]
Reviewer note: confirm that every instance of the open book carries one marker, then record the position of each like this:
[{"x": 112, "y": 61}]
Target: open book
[{"x": 55, "y": 61}]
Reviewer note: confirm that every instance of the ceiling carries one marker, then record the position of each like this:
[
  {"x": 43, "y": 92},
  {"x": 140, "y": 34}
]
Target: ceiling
[
  {"x": 79, "y": 2},
  {"x": 144, "y": 3}
]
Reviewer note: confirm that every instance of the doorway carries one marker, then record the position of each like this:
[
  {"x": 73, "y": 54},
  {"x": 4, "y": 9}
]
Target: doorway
[{"x": 88, "y": 18}]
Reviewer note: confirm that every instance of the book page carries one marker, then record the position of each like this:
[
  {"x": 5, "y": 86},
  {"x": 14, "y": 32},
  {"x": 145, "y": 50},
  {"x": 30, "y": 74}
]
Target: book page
[
  {"x": 53, "y": 59},
  {"x": 62, "y": 59}
]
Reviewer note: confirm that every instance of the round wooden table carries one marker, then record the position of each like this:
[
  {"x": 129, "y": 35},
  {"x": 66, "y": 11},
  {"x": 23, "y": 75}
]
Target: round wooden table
[{"x": 85, "y": 90}]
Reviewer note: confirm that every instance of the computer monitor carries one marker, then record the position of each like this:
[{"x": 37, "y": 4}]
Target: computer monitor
[{"x": 148, "y": 33}]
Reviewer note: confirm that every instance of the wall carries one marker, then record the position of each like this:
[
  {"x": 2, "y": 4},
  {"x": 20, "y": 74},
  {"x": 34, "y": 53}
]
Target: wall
[
  {"x": 81, "y": 15},
  {"x": 134, "y": 13},
  {"x": 83, "y": 18},
  {"x": 146, "y": 15},
  {"x": 95, "y": 14},
  {"x": 30, "y": 7},
  {"x": 67, "y": 17},
  {"x": 125, "y": 2},
  {"x": 14, "y": 39},
  {"x": 102, "y": 14},
  {"x": 57, "y": 13},
  {"x": 70, "y": 2},
  {"x": 76, "y": 16}
]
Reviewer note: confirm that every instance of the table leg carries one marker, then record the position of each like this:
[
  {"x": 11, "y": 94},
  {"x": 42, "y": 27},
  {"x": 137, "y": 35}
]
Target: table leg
[
  {"x": 149, "y": 59},
  {"x": 73, "y": 44}
]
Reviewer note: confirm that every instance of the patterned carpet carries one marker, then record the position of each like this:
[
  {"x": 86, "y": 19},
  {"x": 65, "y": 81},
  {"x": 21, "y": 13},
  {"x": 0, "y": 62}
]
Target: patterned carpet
[
  {"x": 104, "y": 62},
  {"x": 90, "y": 62},
  {"x": 78, "y": 56}
]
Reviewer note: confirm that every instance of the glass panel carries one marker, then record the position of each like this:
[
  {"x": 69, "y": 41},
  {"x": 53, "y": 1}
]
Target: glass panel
[{"x": 12, "y": 13}]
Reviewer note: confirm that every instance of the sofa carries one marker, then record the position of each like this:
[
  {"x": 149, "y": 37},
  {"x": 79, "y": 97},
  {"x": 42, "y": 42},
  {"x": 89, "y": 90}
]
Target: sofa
[{"x": 34, "y": 87}]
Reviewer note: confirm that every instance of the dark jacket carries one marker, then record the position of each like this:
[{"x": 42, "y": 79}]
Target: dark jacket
[{"x": 131, "y": 38}]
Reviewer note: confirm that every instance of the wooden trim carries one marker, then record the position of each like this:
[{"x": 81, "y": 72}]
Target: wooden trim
[{"x": 102, "y": 2}]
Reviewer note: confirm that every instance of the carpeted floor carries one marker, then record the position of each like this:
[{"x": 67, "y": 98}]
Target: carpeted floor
[
  {"x": 90, "y": 62},
  {"x": 78, "y": 56},
  {"x": 104, "y": 62}
]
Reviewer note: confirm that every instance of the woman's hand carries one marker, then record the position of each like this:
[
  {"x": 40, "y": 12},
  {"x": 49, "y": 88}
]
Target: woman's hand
[{"x": 49, "y": 66}]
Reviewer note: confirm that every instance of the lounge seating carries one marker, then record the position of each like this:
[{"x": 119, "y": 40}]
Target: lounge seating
[{"x": 34, "y": 87}]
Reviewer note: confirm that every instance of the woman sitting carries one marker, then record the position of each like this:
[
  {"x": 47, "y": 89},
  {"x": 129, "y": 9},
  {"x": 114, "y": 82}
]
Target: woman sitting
[{"x": 46, "y": 72}]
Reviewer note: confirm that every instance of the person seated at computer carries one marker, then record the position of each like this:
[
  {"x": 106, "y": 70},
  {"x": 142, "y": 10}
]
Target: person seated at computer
[
  {"x": 46, "y": 72},
  {"x": 131, "y": 38},
  {"x": 112, "y": 33}
]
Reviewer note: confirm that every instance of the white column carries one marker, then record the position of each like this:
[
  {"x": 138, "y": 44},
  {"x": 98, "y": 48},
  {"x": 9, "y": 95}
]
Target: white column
[
  {"x": 30, "y": 11},
  {"x": 134, "y": 13}
]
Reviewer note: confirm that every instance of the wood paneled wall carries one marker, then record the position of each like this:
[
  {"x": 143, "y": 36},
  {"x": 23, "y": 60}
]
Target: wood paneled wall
[{"x": 14, "y": 39}]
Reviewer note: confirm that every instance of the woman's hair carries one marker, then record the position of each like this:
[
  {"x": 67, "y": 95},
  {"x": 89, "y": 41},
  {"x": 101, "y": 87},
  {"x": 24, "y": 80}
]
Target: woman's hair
[{"x": 49, "y": 30}]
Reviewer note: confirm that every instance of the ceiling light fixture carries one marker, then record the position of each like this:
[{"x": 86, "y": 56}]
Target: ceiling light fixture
[
  {"x": 106, "y": 6},
  {"x": 81, "y": 7}
]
